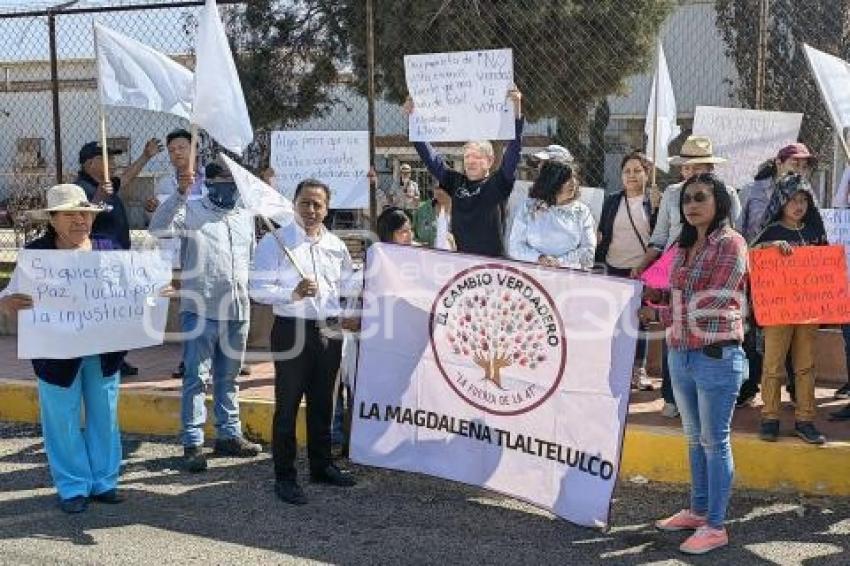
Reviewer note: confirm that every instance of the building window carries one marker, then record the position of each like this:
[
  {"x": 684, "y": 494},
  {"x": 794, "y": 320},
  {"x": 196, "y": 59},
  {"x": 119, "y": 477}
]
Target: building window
[
  {"x": 30, "y": 153},
  {"x": 122, "y": 144}
]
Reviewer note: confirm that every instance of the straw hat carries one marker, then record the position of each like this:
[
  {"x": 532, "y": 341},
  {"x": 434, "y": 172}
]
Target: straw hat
[
  {"x": 696, "y": 150},
  {"x": 67, "y": 198}
]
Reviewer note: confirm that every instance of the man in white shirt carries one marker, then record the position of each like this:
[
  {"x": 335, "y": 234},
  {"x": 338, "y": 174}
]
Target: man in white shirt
[{"x": 307, "y": 350}]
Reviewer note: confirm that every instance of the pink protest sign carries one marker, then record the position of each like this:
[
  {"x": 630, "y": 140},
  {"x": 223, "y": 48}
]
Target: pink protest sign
[{"x": 657, "y": 276}]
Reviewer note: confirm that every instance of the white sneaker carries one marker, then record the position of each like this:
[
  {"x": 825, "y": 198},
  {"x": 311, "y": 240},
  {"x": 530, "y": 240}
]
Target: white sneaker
[{"x": 670, "y": 410}]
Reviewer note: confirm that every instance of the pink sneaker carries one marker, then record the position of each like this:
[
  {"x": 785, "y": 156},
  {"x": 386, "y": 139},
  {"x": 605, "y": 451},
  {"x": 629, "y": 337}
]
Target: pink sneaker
[
  {"x": 705, "y": 540},
  {"x": 684, "y": 520}
]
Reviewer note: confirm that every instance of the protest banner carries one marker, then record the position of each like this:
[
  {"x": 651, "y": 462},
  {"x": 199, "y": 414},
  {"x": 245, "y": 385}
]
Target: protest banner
[
  {"x": 745, "y": 137},
  {"x": 87, "y": 303},
  {"x": 836, "y": 221},
  {"x": 807, "y": 287},
  {"x": 461, "y": 96},
  {"x": 338, "y": 158},
  {"x": 512, "y": 377}
]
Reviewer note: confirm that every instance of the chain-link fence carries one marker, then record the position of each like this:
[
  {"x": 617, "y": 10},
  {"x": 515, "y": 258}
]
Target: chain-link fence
[{"x": 584, "y": 68}]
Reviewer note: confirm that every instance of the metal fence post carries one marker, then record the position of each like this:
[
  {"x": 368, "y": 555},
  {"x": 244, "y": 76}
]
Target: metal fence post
[
  {"x": 370, "y": 58},
  {"x": 54, "y": 87}
]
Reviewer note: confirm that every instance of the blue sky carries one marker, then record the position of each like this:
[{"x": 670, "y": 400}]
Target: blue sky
[{"x": 27, "y": 39}]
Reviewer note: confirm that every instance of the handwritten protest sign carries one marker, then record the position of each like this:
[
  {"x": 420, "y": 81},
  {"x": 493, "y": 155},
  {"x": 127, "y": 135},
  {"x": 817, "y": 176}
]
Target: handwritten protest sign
[
  {"x": 837, "y": 224},
  {"x": 461, "y": 96},
  {"x": 88, "y": 303},
  {"x": 807, "y": 287},
  {"x": 338, "y": 158},
  {"x": 745, "y": 137}
]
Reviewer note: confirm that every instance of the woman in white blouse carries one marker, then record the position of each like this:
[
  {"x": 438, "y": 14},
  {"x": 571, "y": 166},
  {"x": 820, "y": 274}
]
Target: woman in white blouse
[{"x": 552, "y": 227}]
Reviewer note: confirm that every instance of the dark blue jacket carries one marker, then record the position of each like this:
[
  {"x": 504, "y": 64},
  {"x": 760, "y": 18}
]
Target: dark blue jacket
[
  {"x": 63, "y": 372},
  {"x": 112, "y": 224}
]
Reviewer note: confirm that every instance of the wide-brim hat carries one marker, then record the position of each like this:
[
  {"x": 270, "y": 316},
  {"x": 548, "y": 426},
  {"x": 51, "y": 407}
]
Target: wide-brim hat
[
  {"x": 67, "y": 198},
  {"x": 695, "y": 151}
]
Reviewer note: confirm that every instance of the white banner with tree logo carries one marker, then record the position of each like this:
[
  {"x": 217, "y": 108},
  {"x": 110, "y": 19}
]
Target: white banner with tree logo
[{"x": 498, "y": 374}]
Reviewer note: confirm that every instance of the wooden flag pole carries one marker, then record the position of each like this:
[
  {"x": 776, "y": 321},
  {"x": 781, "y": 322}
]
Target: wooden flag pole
[
  {"x": 193, "y": 148},
  {"x": 103, "y": 147},
  {"x": 282, "y": 246},
  {"x": 655, "y": 124}
]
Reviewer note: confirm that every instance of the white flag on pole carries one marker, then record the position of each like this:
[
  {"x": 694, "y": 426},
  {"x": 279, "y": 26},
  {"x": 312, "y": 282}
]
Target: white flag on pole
[
  {"x": 259, "y": 197},
  {"x": 219, "y": 102},
  {"x": 833, "y": 77},
  {"x": 662, "y": 126},
  {"x": 132, "y": 74}
]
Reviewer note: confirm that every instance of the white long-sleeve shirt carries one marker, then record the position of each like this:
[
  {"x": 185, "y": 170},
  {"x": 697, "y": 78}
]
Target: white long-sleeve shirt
[
  {"x": 324, "y": 259},
  {"x": 566, "y": 232}
]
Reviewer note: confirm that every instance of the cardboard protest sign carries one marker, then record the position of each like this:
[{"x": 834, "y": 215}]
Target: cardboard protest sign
[
  {"x": 88, "y": 303},
  {"x": 338, "y": 158},
  {"x": 461, "y": 96},
  {"x": 745, "y": 137},
  {"x": 807, "y": 287}
]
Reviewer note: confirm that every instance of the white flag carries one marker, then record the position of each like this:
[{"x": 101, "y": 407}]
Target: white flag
[
  {"x": 833, "y": 77},
  {"x": 131, "y": 74},
  {"x": 219, "y": 102},
  {"x": 259, "y": 197},
  {"x": 661, "y": 125}
]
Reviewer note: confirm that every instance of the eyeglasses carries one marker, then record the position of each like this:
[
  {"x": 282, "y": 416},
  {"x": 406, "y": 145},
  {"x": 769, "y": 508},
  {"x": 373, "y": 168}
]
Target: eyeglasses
[{"x": 698, "y": 197}]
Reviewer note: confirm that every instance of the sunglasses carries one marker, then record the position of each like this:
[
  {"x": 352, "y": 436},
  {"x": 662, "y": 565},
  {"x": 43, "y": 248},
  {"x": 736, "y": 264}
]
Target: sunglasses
[{"x": 698, "y": 197}]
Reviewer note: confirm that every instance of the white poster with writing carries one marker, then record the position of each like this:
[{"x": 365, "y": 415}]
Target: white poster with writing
[
  {"x": 837, "y": 224},
  {"x": 745, "y": 137},
  {"x": 88, "y": 303},
  {"x": 497, "y": 374},
  {"x": 338, "y": 158},
  {"x": 461, "y": 96}
]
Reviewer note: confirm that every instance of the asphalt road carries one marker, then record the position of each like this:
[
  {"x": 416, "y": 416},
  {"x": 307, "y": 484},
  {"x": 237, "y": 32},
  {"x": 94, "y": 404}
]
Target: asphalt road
[{"x": 230, "y": 516}]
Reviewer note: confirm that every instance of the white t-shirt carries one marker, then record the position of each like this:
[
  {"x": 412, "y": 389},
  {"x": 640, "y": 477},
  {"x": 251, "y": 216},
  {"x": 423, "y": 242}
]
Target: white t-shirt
[{"x": 626, "y": 250}]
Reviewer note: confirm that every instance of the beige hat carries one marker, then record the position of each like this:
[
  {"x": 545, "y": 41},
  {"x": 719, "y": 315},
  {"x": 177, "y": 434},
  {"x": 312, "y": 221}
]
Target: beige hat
[
  {"x": 696, "y": 150},
  {"x": 406, "y": 168},
  {"x": 67, "y": 198}
]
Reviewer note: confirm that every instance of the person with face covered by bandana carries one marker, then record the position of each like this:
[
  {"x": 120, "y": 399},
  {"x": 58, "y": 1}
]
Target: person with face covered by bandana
[{"x": 217, "y": 246}]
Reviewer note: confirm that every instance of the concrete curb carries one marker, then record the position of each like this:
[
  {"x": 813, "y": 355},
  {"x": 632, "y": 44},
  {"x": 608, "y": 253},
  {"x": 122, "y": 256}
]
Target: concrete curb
[{"x": 655, "y": 453}]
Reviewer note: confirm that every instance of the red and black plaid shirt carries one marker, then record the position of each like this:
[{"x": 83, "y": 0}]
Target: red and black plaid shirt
[{"x": 708, "y": 297}]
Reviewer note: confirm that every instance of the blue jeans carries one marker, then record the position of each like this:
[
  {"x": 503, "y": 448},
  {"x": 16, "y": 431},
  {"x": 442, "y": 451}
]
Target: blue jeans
[
  {"x": 82, "y": 462},
  {"x": 706, "y": 389},
  {"x": 216, "y": 352}
]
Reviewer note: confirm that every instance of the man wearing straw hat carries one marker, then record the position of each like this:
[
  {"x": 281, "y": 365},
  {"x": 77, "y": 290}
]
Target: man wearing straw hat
[
  {"x": 217, "y": 246},
  {"x": 695, "y": 158}
]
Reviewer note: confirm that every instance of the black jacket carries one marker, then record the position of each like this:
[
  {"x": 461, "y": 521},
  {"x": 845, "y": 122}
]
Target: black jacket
[
  {"x": 63, "y": 372},
  {"x": 606, "y": 222}
]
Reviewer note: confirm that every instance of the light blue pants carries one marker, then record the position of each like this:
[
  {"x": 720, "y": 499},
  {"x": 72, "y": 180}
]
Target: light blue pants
[
  {"x": 82, "y": 462},
  {"x": 706, "y": 389},
  {"x": 216, "y": 352}
]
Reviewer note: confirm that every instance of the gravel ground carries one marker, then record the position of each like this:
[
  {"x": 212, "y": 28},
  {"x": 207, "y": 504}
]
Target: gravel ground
[{"x": 229, "y": 516}]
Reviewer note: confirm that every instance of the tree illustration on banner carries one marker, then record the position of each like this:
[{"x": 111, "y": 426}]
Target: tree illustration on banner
[{"x": 497, "y": 332}]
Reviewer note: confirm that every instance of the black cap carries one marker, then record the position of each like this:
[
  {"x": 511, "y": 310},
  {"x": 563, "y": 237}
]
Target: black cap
[{"x": 94, "y": 149}]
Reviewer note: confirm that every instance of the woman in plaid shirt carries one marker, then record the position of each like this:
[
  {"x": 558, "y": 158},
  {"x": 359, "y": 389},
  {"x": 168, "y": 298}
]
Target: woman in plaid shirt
[{"x": 703, "y": 313}]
